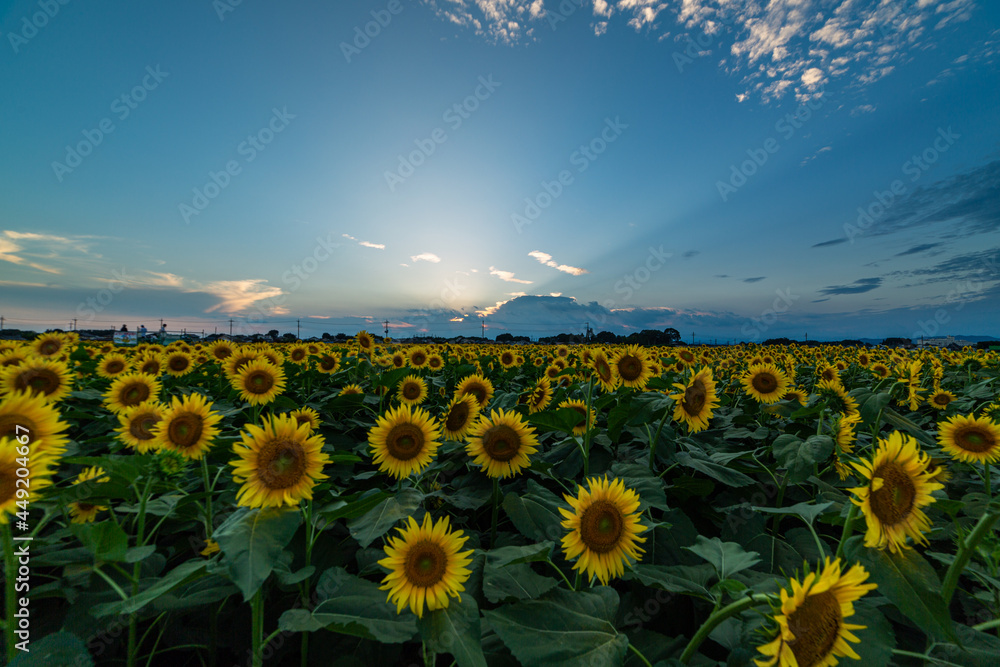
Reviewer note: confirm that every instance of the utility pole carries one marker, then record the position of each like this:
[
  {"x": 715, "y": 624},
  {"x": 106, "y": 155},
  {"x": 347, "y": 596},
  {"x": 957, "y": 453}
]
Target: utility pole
[
  {"x": 692, "y": 338},
  {"x": 386, "y": 325},
  {"x": 74, "y": 324},
  {"x": 298, "y": 329},
  {"x": 483, "y": 319},
  {"x": 230, "y": 328}
]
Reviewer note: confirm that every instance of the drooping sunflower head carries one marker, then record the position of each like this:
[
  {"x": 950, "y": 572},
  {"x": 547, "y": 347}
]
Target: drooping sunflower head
[
  {"x": 259, "y": 382},
  {"x": 581, "y": 407},
  {"x": 501, "y": 443},
  {"x": 461, "y": 413},
  {"x": 279, "y": 463},
  {"x": 425, "y": 563},
  {"x": 632, "y": 366},
  {"x": 137, "y": 423},
  {"x": 478, "y": 386},
  {"x": 112, "y": 365},
  {"x": 970, "y": 439},
  {"x": 811, "y": 628},
  {"x": 412, "y": 390},
  {"x": 539, "y": 396},
  {"x": 796, "y": 394},
  {"x": 899, "y": 485},
  {"x": 82, "y": 511},
  {"x": 404, "y": 441},
  {"x": 129, "y": 390},
  {"x": 605, "y": 372},
  {"x": 603, "y": 528},
  {"x": 765, "y": 383},
  {"x": 836, "y": 397},
  {"x": 188, "y": 426},
  {"x": 306, "y": 416},
  {"x": 695, "y": 400},
  {"x": 42, "y": 376}
]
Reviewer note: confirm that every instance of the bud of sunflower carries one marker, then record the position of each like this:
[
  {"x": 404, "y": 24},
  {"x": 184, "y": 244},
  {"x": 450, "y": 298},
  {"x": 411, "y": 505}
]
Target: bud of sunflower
[{"x": 170, "y": 463}]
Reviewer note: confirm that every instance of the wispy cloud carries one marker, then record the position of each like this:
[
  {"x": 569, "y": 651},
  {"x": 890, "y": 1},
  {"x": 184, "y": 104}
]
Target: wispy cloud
[
  {"x": 917, "y": 249},
  {"x": 237, "y": 295},
  {"x": 755, "y": 279},
  {"x": 546, "y": 259},
  {"x": 377, "y": 246},
  {"x": 507, "y": 276},
  {"x": 425, "y": 257},
  {"x": 831, "y": 242},
  {"x": 859, "y": 286}
]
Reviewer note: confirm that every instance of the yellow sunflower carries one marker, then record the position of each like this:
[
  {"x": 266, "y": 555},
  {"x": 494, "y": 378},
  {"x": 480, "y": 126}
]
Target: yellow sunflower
[
  {"x": 278, "y": 464},
  {"x": 899, "y": 485},
  {"x": 796, "y": 394},
  {"x": 459, "y": 416},
  {"x": 811, "y": 629},
  {"x": 188, "y": 426},
  {"x": 220, "y": 350},
  {"x": 81, "y": 511},
  {"x": 328, "y": 363},
  {"x": 425, "y": 563},
  {"x": 940, "y": 399},
  {"x": 508, "y": 359},
  {"x": 38, "y": 375},
  {"x": 411, "y": 390},
  {"x": 970, "y": 439},
  {"x": 306, "y": 416},
  {"x": 240, "y": 357},
  {"x": 259, "y": 382},
  {"x": 13, "y": 497},
  {"x": 352, "y": 389},
  {"x": 837, "y": 398},
  {"x": 49, "y": 345},
  {"x": 435, "y": 361},
  {"x": 129, "y": 390},
  {"x": 417, "y": 357},
  {"x": 539, "y": 397},
  {"x": 150, "y": 363},
  {"x": 765, "y": 383},
  {"x": 606, "y": 372},
  {"x": 695, "y": 401},
  {"x": 880, "y": 370},
  {"x": 112, "y": 365},
  {"x": 502, "y": 443},
  {"x": 478, "y": 386},
  {"x": 404, "y": 441},
  {"x": 365, "y": 341},
  {"x": 24, "y": 414},
  {"x": 580, "y": 406},
  {"x": 270, "y": 354},
  {"x": 604, "y": 528},
  {"x": 178, "y": 363},
  {"x": 298, "y": 354},
  {"x": 686, "y": 357},
  {"x": 632, "y": 366},
  {"x": 137, "y": 424}
]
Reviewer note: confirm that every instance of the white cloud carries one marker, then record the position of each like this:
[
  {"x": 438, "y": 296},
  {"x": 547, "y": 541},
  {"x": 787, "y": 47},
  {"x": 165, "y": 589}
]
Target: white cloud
[
  {"x": 238, "y": 295},
  {"x": 377, "y": 246},
  {"x": 546, "y": 259},
  {"x": 497, "y": 20},
  {"x": 425, "y": 257},
  {"x": 507, "y": 276}
]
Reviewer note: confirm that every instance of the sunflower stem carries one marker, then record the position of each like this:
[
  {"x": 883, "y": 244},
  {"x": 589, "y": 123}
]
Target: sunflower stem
[
  {"x": 133, "y": 619},
  {"x": 496, "y": 505},
  {"x": 718, "y": 617},
  {"x": 924, "y": 656},
  {"x": 656, "y": 440},
  {"x": 586, "y": 436},
  {"x": 430, "y": 657},
  {"x": 257, "y": 628},
  {"x": 639, "y": 654},
  {"x": 986, "y": 480},
  {"x": 310, "y": 538},
  {"x": 852, "y": 512},
  {"x": 209, "y": 524},
  {"x": 9, "y": 576},
  {"x": 983, "y": 527},
  {"x": 556, "y": 568}
]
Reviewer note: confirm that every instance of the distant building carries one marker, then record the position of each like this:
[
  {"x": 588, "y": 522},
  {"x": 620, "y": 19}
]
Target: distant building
[{"x": 946, "y": 341}]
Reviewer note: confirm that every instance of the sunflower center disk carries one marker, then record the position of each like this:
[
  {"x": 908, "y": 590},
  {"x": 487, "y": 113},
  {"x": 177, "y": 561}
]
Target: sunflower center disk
[
  {"x": 816, "y": 625},
  {"x": 501, "y": 443},
  {"x": 7, "y": 487},
  {"x": 425, "y": 564},
  {"x": 185, "y": 430},
  {"x": 115, "y": 367},
  {"x": 178, "y": 363},
  {"x": 974, "y": 440},
  {"x": 260, "y": 382},
  {"x": 411, "y": 391},
  {"x": 694, "y": 398},
  {"x": 281, "y": 464},
  {"x": 601, "y": 527},
  {"x": 13, "y": 425},
  {"x": 893, "y": 502},
  {"x": 44, "y": 381},
  {"x": 457, "y": 417},
  {"x": 49, "y": 347},
  {"x": 135, "y": 394},
  {"x": 765, "y": 383},
  {"x": 630, "y": 368},
  {"x": 405, "y": 441},
  {"x": 142, "y": 425}
]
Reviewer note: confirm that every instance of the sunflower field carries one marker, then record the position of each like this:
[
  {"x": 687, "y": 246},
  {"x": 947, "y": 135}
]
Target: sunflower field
[{"x": 371, "y": 503}]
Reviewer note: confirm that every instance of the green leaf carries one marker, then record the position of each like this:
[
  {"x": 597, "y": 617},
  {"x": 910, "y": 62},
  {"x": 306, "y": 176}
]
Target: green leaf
[
  {"x": 353, "y": 506},
  {"x": 978, "y": 649},
  {"x": 877, "y": 639},
  {"x": 455, "y": 630},
  {"x": 698, "y": 460},
  {"x": 799, "y": 457},
  {"x": 512, "y": 555},
  {"x": 728, "y": 558},
  {"x": 808, "y": 511},
  {"x": 638, "y": 478},
  {"x": 106, "y": 541},
  {"x": 374, "y": 523},
  {"x": 872, "y": 404},
  {"x": 563, "y": 629},
  {"x": 562, "y": 420},
  {"x": 904, "y": 424},
  {"x": 535, "y": 514},
  {"x": 351, "y": 606},
  {"x": 686, "y": 579},
  {"x": 183, "y": 573},
  {"x": 517, "y": 581},
  {"x": 909, "y": 582},
  {"x": 251, "y": 541},
  {"x": 60, "y": 648}
]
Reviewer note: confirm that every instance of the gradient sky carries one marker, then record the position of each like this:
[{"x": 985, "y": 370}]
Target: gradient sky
[{"x": 714, "y": 157}]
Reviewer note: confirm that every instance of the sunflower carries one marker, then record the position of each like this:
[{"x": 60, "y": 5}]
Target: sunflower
[
  {"x": 40, "y": 376},
  {"x": 632, "y": 366},
  {"x": 478, "y": 386},
  {"x": 240, "y": 357},
  {"x": 695, "y": 401},
  {"x": 417, "y": 357},
  {"x": 131, "y": 389},
  {"x": 940, "y": 399},
  {"x": 48, "y": 345},
  {"x": 178, "y": 363},
  {"x": 607, "y": 373},
  {"x": 81, "y": 511},
  {"x": 137, "y": 423},
  {"x": 539, "y": 397},
  {"x": 765, "y": 383},
  {"x": 970, "y": 439},
  {"x": 150, "y": 363},
  {"x": 880, "y": 370},
  {"x": 112, "y": 365},
  {"x": 220, "y": 350},
  {"x": 604, "y": 528},
  {"x": 306, "y": 416},
  {"x": 23, "y": 414},
  {"x": 837, "y": 398},
  {"x": 12, "y": 358},
  {"x": 259, "y": 382},
  {"x": 580, "y": 406},
  {"x": 501, "y": 444},
  {"x": 508, "y": 359},
  {"x": 828, "y": 373},
  {"x": 398, "y": 360},
  {"x": 811, "y": 631},
  {"x": 845, "y": 432},
  {"x": 425, "y": 563},
  {"x": 365, "y": 341},
  {"x": 458, "y": 418},
  {"x": 686, "y": 357},
  {"x": 404, "y": 441},
  {"x": 412, "y": 390},
  {"x": 270, "y": 354},
  {"x": 328, "y": 363},
  {"x": 188, "y": 426},
  {"x": 435, "y": 362},
  {"x": 899, "y": 486},
  {"x": 40, "y": 468},
  {"x": 278, "y": 464},
  {"x": 298, "y": 354},
  {"x": 796, "y": 394},
  {"x": 352, "y": 389}
]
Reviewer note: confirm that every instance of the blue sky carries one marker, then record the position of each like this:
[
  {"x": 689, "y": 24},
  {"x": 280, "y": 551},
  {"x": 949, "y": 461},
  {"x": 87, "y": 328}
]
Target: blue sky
[{"x": 737, "y": 171}]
